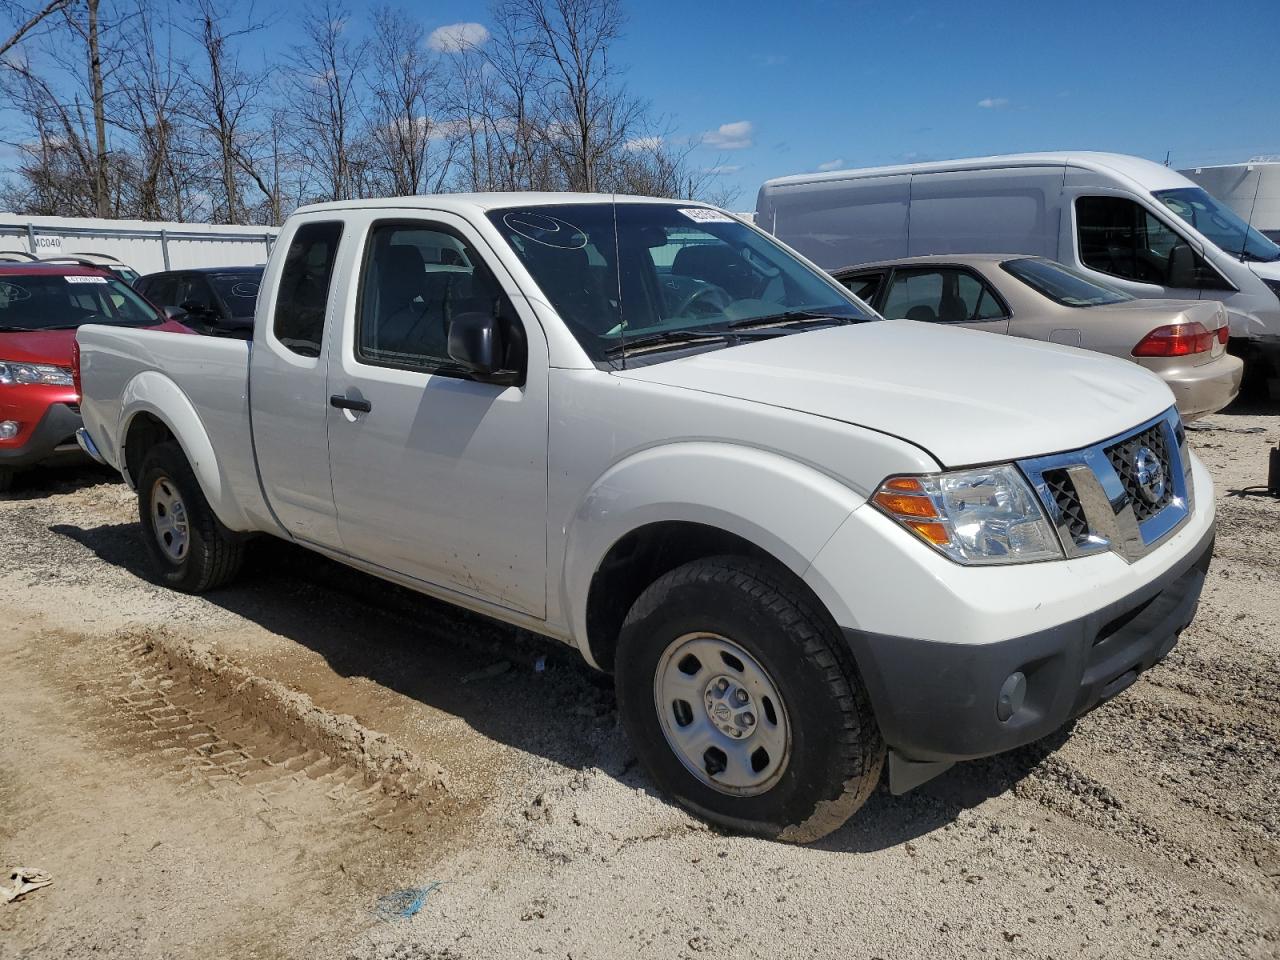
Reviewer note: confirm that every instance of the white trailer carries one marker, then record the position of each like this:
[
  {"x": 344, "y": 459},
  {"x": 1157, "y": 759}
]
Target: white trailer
[
  {"x": 145, "y": 245},
  {"x": 1251, "y": 189}
]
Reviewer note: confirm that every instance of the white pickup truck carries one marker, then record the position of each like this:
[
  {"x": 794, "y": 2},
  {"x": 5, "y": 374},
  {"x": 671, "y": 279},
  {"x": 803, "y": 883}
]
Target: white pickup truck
[{"x": 803, "y": 538}]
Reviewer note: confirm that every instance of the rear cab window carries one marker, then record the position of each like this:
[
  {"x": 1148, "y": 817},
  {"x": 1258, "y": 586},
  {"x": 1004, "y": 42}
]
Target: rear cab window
[{"x": 298, "y": 322}]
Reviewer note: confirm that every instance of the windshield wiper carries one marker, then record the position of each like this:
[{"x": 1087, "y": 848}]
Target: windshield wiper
[
  {"x": 678, "y": 338},
  {"x": 805, "y": 317},
  {"x": 5, "y": 328}
]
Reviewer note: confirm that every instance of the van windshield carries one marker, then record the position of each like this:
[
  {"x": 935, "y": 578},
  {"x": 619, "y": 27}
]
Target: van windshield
[
  {"x": 51, "y": 301},
  {"x": 634, "y": 279},
  {"x": 1063, "y": 285},
  {"x": 1219, "y": 223}
]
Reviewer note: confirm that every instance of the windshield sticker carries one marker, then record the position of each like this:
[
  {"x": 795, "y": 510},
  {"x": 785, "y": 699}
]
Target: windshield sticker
[
  {"x": 705, "y": 215},
  {"x": 86, "y": 279},
  {"x": 548, "y": 231},
  {"x": 245, "y": 288},
  {"x": 12, "y": 293}
]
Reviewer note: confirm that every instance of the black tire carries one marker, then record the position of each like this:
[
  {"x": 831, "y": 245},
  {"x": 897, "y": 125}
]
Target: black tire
[
  {"x": 214, "y": 554},
  {"x": 6, "y": 479},
  {"x": 836, "y": 749}
]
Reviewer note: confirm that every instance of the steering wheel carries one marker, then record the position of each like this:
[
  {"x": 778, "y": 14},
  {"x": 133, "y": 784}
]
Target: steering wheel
[{"x": 717, "y": 299}]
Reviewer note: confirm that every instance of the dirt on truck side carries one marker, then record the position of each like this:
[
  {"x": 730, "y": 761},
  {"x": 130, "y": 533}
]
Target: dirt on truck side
[{"x": 316, "y": 764}]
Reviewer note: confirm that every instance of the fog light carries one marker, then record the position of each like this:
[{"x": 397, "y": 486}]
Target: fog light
[
  {"x": 1012, "y": 695},
  {"x": 8, "y": 429}
]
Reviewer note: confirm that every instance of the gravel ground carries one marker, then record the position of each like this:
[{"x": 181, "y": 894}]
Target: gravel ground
[{"x": 288, "y": 767}]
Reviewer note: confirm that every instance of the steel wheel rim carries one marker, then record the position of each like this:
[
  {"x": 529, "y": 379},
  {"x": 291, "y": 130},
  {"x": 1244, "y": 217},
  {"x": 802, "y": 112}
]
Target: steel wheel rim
[
  {"x": 722, "y": 715},
  {"x": 169, "y": 520}
]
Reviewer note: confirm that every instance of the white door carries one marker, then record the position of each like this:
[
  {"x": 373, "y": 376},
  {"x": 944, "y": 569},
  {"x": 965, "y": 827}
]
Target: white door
[
  {"x": 288, "y": 383},
  {"x": 435, "y": 475}
]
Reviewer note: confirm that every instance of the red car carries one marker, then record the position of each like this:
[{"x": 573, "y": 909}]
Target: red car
[{"x": 41, "y": 305}]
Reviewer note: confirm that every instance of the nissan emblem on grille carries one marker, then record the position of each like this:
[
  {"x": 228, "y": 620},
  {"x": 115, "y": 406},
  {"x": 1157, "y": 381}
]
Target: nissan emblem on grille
[{"x": 1149, "y": 472}]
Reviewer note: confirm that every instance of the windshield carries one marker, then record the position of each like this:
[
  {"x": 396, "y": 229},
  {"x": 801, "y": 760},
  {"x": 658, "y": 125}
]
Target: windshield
[
  {"x": 1062, "y": 284},
  {"x": 239, "y": 291},
  {"x": 620, "y": 273},
  {"x": 1219, "y": 223},
  {"x": 57, "y": 302}
]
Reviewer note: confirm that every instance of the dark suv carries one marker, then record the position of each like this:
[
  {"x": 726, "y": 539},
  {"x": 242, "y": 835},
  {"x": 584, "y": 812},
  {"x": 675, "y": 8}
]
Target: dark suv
[{"x": 214, "y": 300}]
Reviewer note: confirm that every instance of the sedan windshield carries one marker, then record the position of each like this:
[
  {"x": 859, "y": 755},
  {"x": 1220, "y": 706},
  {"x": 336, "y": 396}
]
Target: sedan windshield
[
  {"x": 51, "y": 301},
  {"x": 1219, "y": 223},
  {"x": 656, "y": 277},
  {"x": 1062, "y": 284}
]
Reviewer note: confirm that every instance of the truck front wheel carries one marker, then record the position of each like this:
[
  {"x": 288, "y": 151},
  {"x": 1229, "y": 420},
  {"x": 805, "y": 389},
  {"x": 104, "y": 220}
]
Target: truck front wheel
[
  {"x": 190, "y": 548},
  {"x": 743, "y": 703}
]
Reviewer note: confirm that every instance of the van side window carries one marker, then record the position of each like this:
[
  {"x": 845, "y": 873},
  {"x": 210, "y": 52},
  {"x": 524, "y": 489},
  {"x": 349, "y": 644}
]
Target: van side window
[
  {"x": 1122, "y": 238},
  {"x": 416, "y": 279},
  {"x": 304, "y": 287},
  {"x": 940, "y": 295}
]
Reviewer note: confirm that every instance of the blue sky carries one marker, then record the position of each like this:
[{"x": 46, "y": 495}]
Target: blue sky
[{"x": 772, "y": 88}]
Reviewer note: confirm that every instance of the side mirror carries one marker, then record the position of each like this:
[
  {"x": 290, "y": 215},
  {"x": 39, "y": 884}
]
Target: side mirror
[
  {"x": 478, "y": 344},
  {"x": 1182, "y": 266}
]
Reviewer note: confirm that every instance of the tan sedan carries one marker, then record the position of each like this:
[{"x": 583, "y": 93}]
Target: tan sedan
[{"x": 1182, "y": 341}]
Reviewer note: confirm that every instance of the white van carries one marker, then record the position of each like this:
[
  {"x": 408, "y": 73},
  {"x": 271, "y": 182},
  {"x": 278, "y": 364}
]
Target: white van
[{"x": 1143, "y": 227}]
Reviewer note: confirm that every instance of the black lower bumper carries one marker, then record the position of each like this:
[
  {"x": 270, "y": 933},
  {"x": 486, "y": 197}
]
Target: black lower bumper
[
  {"x": 938, "y": 702},
  {"x": 53, "y": 438}
]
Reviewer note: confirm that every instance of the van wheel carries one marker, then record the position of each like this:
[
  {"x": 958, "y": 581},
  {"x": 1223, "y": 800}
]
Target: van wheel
[
  {"x": 743, "y": 703},
  {"x": 6, "y": 479},
  {"x": 190, "y": 548}
]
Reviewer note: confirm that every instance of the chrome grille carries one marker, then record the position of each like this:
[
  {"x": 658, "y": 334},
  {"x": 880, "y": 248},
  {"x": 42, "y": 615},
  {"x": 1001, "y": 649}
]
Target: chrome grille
[
  {"x": 1096, "y": 500},
  {"x": 1064, "y": 495},
  {"x": 1124, "y": 456}
]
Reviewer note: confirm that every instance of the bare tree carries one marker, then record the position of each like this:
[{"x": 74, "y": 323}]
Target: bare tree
[
  {"x": 325, "y": 97},
  {"x": 590, "y": 115},
  {"x": 413, "y": 150},
  {"x": 32, "y": 21}
]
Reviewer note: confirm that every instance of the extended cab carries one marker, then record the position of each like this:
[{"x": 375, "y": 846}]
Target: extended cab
[{"x": 801, "y": 537}]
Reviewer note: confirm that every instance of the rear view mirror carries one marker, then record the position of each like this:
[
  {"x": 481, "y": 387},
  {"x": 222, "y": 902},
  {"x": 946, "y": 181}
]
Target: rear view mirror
[
  {"x": 478, "y": 343},
  {"x": 193, "y": 306},
  {"x": 174, "y": 313}
]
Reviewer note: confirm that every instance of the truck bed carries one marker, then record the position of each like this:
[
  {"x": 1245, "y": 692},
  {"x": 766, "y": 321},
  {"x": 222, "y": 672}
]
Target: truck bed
[{"x": 202, "y": 380}]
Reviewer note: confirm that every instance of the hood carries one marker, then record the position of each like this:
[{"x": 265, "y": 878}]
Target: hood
[
  {"x": 1269, "y": 270},
  {"x": 54, "y": 346},
  {"x": 965, "y": 396}
]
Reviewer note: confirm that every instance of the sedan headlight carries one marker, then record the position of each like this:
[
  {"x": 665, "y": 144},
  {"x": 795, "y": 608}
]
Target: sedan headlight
[
  {"x": 987, "y": 515},
  {"x": 45, "y": 373}
]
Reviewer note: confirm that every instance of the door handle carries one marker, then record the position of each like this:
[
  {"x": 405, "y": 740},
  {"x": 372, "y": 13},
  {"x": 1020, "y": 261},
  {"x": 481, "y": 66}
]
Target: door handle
[{"x": 347, "y": 403}]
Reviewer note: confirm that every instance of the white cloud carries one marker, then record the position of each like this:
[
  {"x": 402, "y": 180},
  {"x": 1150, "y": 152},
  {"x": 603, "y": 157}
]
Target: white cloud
[
  {"x": 730, "y": 136},
  {"x": 723, "y": 170},
  {"x": 642, "y": 144},
  {"x": 458, "y": 37},
  {"x": 993, "y": 103},
  {"x": 835, "y": 164},
  {"x": 770, "y": 59}
]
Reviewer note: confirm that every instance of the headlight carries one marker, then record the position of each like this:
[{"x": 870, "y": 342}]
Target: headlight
[
  {"x": 46, "y": 373},
  {"x": 987, "y": 515}
]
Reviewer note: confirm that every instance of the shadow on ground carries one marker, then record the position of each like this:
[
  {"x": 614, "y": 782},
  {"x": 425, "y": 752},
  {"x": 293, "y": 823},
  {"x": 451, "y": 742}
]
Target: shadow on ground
[{"x": 485, "y": 672}]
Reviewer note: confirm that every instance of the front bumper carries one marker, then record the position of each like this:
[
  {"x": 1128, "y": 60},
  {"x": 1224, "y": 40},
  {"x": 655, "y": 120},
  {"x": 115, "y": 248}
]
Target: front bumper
[
  {"x": 52, "y": 439},
  {"x": 937, "y": 702},
  {"x": 1200, "y": 391}
]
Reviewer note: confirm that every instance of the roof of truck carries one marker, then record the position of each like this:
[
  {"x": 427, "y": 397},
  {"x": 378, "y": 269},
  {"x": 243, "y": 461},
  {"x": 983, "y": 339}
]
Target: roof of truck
[
  {"x": 1151, "y": 175},
  {"x": 483, "y": 202}
]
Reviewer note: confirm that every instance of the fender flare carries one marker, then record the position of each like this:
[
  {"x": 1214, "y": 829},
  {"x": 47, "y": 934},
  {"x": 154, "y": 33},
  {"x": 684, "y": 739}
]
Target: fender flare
[
  {"x": 153, "y": 393},
  {"x": 785, "y": 507}
]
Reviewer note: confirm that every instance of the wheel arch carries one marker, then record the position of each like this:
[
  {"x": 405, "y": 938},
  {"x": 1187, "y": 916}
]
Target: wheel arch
[
  {"x": 667, "y": 506},
  {"x": 154, "y": 409}
]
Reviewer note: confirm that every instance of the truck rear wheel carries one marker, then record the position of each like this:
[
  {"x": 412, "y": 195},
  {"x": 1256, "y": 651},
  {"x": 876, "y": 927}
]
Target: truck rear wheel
[
  {"x": 190, "y": 548},
  {"x": 743, "y": 703}
]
